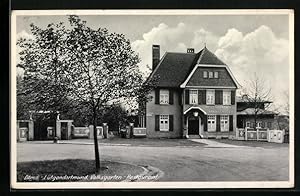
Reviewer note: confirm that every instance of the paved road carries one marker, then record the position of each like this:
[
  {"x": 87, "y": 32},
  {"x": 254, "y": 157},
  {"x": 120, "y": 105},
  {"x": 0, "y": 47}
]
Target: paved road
[{"x": 189, "y": 163}]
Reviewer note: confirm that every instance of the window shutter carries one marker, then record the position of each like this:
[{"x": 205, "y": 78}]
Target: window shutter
[
  {"x": 218, "y": 97},
  {"x": 180, "y": 98},
  {"x": 205, "y": 122},
  {"x": 171, "y": 125},
  {"x": 199, "y": 97},
  {"x": 221, "y": 97},
  {"x": 231, "y": 123},
  {"x": 232, "y": 97},
  {"x": 218, "y": 123},
  {"x": 203, "y": 97},
  {"x": 187, "y": 96},
  {"x": 171, "y": 97},
  {"x": 156, "y": 122},
  {"x": 156, "y": 96}
]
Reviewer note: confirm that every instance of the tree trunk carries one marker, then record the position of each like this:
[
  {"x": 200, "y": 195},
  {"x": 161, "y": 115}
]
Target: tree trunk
[{"x": 97, "y": 156}]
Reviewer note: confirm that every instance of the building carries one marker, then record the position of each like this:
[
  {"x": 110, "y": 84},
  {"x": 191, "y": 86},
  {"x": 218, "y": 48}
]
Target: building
[
  {"x": 246, "y": 112},
  {"x": 194, "y": 96}
]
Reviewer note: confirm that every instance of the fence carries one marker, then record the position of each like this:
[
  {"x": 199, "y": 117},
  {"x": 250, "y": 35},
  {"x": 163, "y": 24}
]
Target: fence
[
  {"x": 87, "y": 132},
  {"x": 260, "y": 134},
  {"x": 81, "y": 132},
  {"x": 139, "y": 131}
]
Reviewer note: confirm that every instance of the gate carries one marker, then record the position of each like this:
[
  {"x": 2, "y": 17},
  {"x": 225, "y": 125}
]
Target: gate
[{"x": 44, "y": 126}]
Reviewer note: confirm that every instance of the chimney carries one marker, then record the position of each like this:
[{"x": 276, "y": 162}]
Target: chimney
[
  {"x": 190, "y": 50},
  {"x": 155, "y": 56}
]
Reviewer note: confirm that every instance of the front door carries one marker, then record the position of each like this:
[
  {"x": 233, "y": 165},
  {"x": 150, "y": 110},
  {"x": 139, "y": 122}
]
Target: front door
[{"x": 193, "y": 126}]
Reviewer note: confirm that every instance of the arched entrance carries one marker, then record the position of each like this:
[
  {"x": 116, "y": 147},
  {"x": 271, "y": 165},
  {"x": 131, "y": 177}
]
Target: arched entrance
[{"x": 194, "y": 119}]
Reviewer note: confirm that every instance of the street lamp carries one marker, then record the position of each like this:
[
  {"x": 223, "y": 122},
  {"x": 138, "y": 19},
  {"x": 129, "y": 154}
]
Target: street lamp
[{"x": 195, "y": 114}]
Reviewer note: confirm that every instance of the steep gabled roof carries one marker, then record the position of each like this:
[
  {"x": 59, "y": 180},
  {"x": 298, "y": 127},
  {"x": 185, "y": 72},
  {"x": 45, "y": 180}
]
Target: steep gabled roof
[
  {"x": 174, "y": 68},
  {"x": 207, "y": 57}
]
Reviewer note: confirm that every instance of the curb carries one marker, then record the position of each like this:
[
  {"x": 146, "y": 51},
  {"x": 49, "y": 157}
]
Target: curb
[{"x": 148, "y": 172}]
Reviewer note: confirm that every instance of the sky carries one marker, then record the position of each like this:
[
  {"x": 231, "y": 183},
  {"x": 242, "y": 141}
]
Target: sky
[{"x": 248, "y": 44}]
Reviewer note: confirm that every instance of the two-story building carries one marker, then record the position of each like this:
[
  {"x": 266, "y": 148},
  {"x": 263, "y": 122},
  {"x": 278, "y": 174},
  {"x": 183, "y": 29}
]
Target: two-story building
[{"x": 194, "y": 96}]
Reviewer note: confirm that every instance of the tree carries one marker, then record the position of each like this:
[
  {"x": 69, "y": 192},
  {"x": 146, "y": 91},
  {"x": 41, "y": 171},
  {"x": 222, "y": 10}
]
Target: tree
[
  {"x": 42, "y": 58},
  {"x": 79, "y": 65},
  {"x": 258, "y": 96},
  {"x": 101, "y": 69}
]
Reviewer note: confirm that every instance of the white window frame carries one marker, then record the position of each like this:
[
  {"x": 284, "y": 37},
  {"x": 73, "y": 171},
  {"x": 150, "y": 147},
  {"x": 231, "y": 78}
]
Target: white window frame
[
  {"x": 211, "y": 123},
  {"x": 193, "y": 96},
  {"x": 224, "y": 123},
  {"x": 205, "y": 74},
  {"x": 164, "y": 96},
  {"x": 210, "y": 74},
  {"x": 216, "y": 74},
  {"x": 210, "y": 97},
  {"x": 248, "y": 122},
  {"x": 226, "y": 98},
  {"x": 258, "y": 124},
  {"x": 164, "y": 122}
]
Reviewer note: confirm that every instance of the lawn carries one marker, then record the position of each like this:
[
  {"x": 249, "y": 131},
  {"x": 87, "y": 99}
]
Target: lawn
[{"x": 73, "y": 170}]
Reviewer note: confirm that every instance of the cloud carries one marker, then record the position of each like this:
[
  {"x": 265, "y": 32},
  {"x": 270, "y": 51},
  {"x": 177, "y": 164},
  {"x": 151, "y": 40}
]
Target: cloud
[
  {"x": 261, "y": 52},
  {"x": 167, "y": 37}
]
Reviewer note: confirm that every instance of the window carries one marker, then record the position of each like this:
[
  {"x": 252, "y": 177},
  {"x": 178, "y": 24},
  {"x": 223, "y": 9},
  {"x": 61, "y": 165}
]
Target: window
[
  {"x": 216, "y": 74},
  {"x": 193, "y": 97},
  {"x": 211, "y": 123},
  {"x": 269, "y": 125},
  {"x": 210, "y": 74},
  {"x": 164, "y": 122},
  {"x": 210, "y": 97},
  {"x": 226, "y": 97},
  {"x": 248, "y": 124},
  {"x": 164, "y": 97},
  {"x": 224, "y": 123},
  {"x": 258, "y": 124},
  {"x": 204, "y": 74}
]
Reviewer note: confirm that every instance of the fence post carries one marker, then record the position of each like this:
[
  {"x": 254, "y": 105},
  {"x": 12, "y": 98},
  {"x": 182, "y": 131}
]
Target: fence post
[
  {"x": 246, "y": 134},
  {"x": 105, "y": 130},
  {"x": 30, "y": 130},
  {"x": 131, "y": 126},
  {"x": 91, "y": 129}
]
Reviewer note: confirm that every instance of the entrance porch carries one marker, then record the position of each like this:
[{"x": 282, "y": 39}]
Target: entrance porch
[{"x": 194, "y": 123}]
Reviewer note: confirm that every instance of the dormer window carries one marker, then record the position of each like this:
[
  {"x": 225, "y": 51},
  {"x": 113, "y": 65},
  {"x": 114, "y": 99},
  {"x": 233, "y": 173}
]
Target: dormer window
[
  {"x": 211, "y": 74},
  {"x": 204, "y": 74},
  {"x": 216, "y": 74}
]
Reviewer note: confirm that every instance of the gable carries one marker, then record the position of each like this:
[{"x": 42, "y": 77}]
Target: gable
[{"x": 224, "y": 79}]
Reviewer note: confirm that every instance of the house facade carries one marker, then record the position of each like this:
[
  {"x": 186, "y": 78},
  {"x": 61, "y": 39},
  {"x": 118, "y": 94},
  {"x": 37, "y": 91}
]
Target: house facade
[{"x": 194, "y": 96}]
